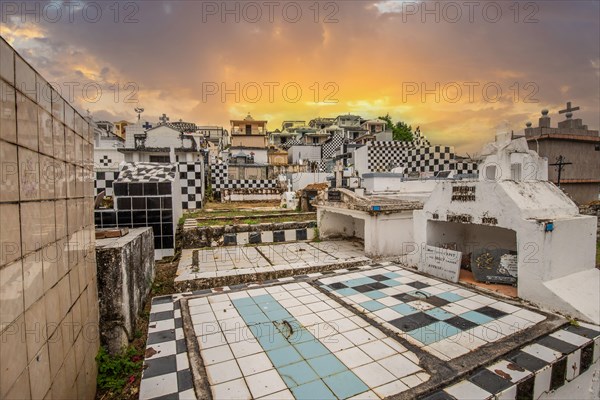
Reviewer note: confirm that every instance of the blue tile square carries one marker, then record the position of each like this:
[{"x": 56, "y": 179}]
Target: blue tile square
[
  {"x": 270, "y": 306},
  {"x": 260, "y": 329},
  {"x": 297, "y": 374},
  {"x": 300, "y": 335},
  {"x": 273, "y": 341},
  {"x": 345, "y": 384},
  {"x": 284, "y": 356},
  {"x": 434, "y": 332},
  {"x": 254, "y": 319},
  {"x": 277, "y": 315},
  {"x": 449, "y": 296},
  {"x": 372, "y": 305},
  {"x": 375, "y": 294},
  {"x": 391, "y": 283},
  {"x": 246, "y": 301},
  {"x": 327, "y": 365},
  {"x": 315, "y": 390},
  {"x": 263, "y": 298},
  {"x": 358, "y": 281},
  {"x": 476, "y": 317},
  {"x": 439, "y": 313},
  {"x": 346, "y": 291},
  {"x": 392, "y": 275},
  {"x": 404, "y": 309},
  {"x": 311, "y": 349},
  {"x": 249, "y": 310}
]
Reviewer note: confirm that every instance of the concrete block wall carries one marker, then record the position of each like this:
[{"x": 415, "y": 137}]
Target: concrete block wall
[{"x": 48, "y": 296}]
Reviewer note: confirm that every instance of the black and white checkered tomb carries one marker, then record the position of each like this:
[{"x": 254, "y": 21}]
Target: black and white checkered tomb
[{"x": 220, "y": 180}]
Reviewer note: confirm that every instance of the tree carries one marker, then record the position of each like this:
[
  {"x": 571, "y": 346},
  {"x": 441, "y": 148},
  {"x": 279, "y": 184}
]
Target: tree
[{"x": 400, "y": 131}]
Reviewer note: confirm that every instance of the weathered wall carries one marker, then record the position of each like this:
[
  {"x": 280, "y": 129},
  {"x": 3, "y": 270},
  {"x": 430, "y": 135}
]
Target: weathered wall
[
  {"x": 48, "y": 297},
  {"x": 125, "y": 276}
]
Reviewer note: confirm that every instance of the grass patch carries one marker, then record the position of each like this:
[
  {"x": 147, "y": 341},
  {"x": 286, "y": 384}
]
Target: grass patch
[
  {"x": 252, "y": 221},
  {"x": 115, "y": 372}
]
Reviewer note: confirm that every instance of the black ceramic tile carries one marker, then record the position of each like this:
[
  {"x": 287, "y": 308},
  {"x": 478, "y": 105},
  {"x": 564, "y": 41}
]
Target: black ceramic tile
[
  {"x": 489, "y": 381},
  {"x": 120, "y": 189},
  {"x": 581, "y": 331},
  {"x": 136, "y": 189},
  {"x": 436, "y": 301},
  {"x": 525, "y": 388},
  {"x": 278, "y": 236},
  {"x": 167, "y": 216},
  {"x": 153, "y": 203},
  {"x": 160, "y": 316},
  {"x": 153, "y": 216},
  {"x": 379, "y": 278},
  {"x": 363, "y": 288},
  {"x": 559, "y": 373},
  {"x": 139, "y": 217},
  {"x": 527, "y": 361},
  {"x": 150, "y": 189},
  {"x": 160, "y": 366},
  {"x": 124, "y": 203},
  {"x": 301, "y": 234},
  {"x": 166, "y": 202},
  {"x": 587, "y": 357},
  {"x": 162, "y": 300},
  {"x": 230, "y": 239},
  {"x": 180, "y": 346},
  {"x": 161, "y": 337},
  {"x": 377, "y": 285},
  {"x": 168, "y": 242},
  {"x": 138, "y": 203},
  {"x": 164, "y": 188},
  {"x": 124, "y": 217},
  {"x": 178, "y": 323},
  {"x": 461, "y": 323},
  {"x": 167, "y": 229},
  {"x": 418, "y": 285},
  {"x": 404, "y": 297},
  {"x": 412, "y": 322},
  {"x": 441, "y": 395},
  {"x": 557, "y": 344},
  {"x": 109, "y": 218},
  {"x": 491, "y": 312},
  {"x": 184, "y": 380},
  {"x": 254, "y": 237},
  {"x": 98, "y": 218},
  {"x": 338, "y": 285}
]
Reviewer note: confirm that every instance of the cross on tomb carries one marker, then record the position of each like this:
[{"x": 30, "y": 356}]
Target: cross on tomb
[
  {"x": 560, "y": 163},
  {"x": 569, "y": 110},
  {"x": 164, "y": 118},
  {"x": 147, "y": 125}
]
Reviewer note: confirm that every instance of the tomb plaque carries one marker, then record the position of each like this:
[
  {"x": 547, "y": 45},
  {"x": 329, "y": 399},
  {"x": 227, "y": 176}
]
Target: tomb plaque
[
  {"x": 334, "y": 195},
  {"x": 494, "y": 266},
  {"x": 440, "y": 262}
]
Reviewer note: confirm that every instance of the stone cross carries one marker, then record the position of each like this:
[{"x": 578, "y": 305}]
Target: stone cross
[
  {"x": 147, "y": 125},
  {"x": 569, "y": 110},
  {"x": 164, "y": 118}
]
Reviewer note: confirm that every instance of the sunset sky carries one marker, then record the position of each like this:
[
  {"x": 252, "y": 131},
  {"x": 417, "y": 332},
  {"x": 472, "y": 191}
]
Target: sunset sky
[{"x": 363, "y": 57}]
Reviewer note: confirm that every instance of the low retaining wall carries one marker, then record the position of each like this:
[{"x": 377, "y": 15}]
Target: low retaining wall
[
  {"x": 264, "y": 277},
  {"x": 125, "y": 268},
  {"x": 231, "y": 235},
  {"x": 229, "y": 195}
]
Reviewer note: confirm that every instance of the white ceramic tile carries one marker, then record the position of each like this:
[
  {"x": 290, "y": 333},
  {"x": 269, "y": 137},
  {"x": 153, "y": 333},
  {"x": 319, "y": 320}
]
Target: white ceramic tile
[
  {"x": 542, "y": 352},
  {"x": 223, "y": 372},
  {"x": 374, "y": 375},
  {"x": 235, "y": 389},
  {"x": 216, "y": 355},
  {"x": 265, "y": 383},
  {"x": 467, "y": 390},
  {"x": 157, "y": 386},
  {"x": 390, "y": 389},
  {"x": 399, "y": 365},
  {"x": 255, "y": 363},
  {"x": 353, "y": 357}
]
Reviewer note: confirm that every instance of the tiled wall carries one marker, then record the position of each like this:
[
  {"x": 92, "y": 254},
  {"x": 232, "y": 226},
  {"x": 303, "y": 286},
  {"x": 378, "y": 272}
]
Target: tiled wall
[
  {"x": 141, "y": 204},
  {"x": 48, "y": 296}
]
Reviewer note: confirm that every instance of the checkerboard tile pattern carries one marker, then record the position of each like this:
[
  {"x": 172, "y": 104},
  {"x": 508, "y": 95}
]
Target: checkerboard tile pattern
[
  {"x": 543, "y": 366},
  {"x": 220, "y": 180},
  {"x": 328, "y": 150},
  {"x": 104, "y": 181},
  {"x": 442, "y": 319},
  {"x": 167, "y": 371},
  {"x": 292, "y": 341},
  {"x": 190, "y": 179}
]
